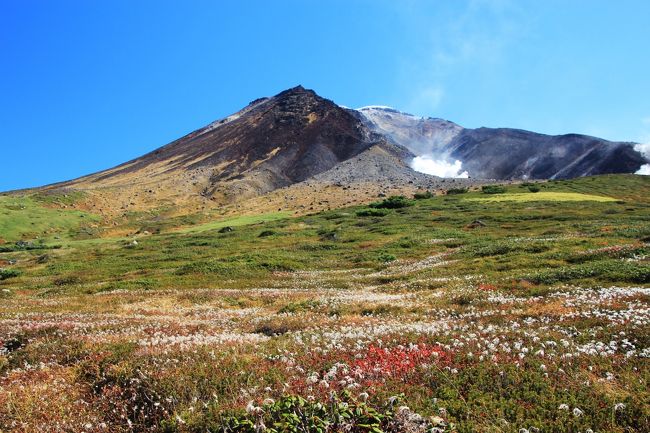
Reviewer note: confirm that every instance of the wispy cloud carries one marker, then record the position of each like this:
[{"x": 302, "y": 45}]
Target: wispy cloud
[
  {"x": 478, "y": 33},
  {"x": 427, "y": 99},
  {"x": 645, "y": 133}
]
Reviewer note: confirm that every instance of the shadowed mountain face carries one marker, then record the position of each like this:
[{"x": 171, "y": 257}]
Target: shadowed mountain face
[
  {"x": 284, "y": 139},
  {"x": 516, "y": 154},
  {"x": 502, "y": 153}
]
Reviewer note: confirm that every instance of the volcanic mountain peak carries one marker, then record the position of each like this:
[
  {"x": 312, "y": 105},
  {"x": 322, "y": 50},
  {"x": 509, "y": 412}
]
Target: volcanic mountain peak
[
  {"x": 297, "y": 135},
  {"x": 271, "y": 143}
]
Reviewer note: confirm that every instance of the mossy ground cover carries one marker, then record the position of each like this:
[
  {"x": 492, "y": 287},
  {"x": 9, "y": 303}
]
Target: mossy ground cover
[
  {"x": 536, "y": 319},
  {"x": 29, "y": 217},
  {"x": 546, "y": 196},
  {"x": 235, "y": 222}
]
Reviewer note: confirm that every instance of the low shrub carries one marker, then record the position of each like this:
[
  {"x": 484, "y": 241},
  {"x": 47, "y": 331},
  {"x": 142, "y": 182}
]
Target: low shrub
[
  {"x": 610, "y": 270},
  {"x": 28, "y": 246},
  {"x": 8, "y": 273},
  {"x": 296, "y": 414},
  {"x": 493, "y": 189},
  {"x": 67, "y": 280},
  {"x": 386, "y": 257},
  {"x": 461, "y": 299},
  {"x": 372, "y": 212},
  {"x": 392, "y": 202},
  {"x": 423, "y": 195},
  {"x": 613, "y": 252},
  {"x": 455, "y": 191}
]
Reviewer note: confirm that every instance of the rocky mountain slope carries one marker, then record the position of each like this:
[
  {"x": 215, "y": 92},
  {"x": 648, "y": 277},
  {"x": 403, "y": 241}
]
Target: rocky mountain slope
[
  {"x": 273, "y": 142},
  {"x": 502, "y": 153},
  {"x": 516, "y": 154}
]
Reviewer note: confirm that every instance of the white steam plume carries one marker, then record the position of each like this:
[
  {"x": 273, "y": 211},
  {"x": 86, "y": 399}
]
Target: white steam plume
[
  {"x": 643, "y": 149},
  {"x": 438, "y": 167}
]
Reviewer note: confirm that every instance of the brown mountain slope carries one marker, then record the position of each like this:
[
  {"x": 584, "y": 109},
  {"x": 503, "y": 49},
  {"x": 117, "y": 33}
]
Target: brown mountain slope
[{"x": 272, "y": 143}]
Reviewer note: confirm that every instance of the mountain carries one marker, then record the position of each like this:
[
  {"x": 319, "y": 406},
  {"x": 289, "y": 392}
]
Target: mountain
[
  {"x": 306, "y": 143},
  {"x": 503, "y": 153},
  {"x": 271, "y": 143}
]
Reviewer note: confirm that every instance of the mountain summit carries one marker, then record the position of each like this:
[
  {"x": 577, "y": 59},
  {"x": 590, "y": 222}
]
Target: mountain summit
[{"x": 271, "y": 143}]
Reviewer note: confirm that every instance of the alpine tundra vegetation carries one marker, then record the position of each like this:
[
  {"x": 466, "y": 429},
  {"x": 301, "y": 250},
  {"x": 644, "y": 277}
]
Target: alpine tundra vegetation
[
  {"x": 342, "y": 216},
  {"x": 516, "y": 311}
]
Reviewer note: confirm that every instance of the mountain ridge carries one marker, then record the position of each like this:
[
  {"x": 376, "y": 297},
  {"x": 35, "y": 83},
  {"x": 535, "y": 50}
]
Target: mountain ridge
[{"x": 506, "y": 153}]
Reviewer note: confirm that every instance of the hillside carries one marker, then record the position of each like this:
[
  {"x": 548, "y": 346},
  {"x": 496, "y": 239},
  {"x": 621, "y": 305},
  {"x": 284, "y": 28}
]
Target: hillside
[{"x": 419, "y": 313}]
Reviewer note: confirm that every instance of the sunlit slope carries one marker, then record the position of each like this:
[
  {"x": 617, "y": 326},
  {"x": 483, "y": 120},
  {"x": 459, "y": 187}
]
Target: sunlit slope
[
  {"x": 24, "y": 217},
  {"x": 514, "y": 239}
]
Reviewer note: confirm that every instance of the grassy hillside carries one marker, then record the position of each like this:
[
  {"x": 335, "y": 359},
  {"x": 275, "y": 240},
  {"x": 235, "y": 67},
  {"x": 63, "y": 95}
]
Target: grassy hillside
[
  {"x": 482, "y": 312},
  {"x": 26, "y": 217}
]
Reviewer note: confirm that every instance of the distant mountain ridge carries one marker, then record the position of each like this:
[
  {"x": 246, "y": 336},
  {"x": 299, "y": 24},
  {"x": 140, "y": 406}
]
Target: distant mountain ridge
[{"x": 504, "y": 153}]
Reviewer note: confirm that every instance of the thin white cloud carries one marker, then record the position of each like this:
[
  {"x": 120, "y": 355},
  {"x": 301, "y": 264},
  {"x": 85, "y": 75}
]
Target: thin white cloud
[
  {"x": 427, "y": 99},
  {"x": 480, "y": 34}
]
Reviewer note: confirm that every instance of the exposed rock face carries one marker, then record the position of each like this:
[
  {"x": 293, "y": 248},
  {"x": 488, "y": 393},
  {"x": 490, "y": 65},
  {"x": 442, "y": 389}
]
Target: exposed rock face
[
  {"x": 502, "y": 153},
  {"x": 273, "y": 142},
  {"x": 421, "y": 135},
  {"x": 516, "y": 154}
]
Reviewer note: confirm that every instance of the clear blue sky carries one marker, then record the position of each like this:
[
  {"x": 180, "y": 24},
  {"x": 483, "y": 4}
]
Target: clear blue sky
[{"x": 86, "y": 85}]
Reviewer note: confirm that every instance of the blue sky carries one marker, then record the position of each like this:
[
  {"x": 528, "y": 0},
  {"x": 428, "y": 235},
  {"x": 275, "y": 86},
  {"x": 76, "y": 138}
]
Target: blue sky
[{"x": 86, "y": 85}]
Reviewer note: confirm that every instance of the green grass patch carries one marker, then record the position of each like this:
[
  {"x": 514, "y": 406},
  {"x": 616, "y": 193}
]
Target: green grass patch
[
  {"x": 23, "y": 217},
  {"x": 545, "y": 196},
  {"x": 235, "y": 222}
]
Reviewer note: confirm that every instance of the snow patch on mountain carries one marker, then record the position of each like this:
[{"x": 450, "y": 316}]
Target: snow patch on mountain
[{"x": 380, "y": 107}]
